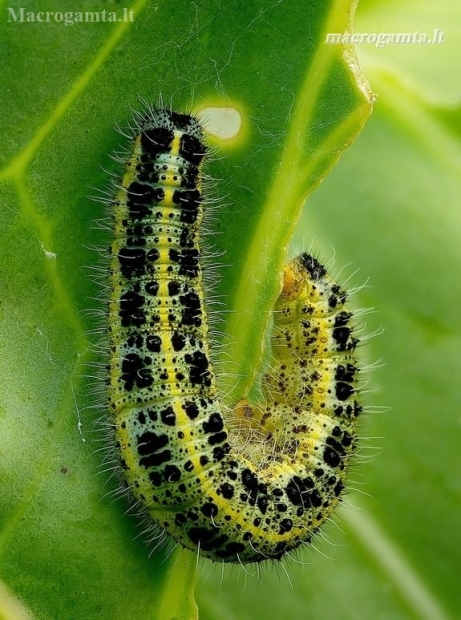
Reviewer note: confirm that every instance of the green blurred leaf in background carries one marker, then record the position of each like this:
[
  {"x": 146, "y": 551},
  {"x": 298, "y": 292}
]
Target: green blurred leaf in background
[{"x": 67, "y": 548}]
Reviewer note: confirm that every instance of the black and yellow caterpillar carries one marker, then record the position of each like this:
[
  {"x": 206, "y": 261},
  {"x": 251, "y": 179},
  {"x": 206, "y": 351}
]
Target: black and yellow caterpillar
[{"x": 235, "y": 496}]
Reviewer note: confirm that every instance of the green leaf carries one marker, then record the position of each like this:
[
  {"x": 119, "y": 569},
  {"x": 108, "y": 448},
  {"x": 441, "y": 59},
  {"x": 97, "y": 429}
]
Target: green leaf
[{"x": 67, "y": 548}]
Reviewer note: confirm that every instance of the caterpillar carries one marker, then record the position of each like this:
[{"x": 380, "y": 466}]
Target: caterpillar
[{"x": 242, "y": 484}]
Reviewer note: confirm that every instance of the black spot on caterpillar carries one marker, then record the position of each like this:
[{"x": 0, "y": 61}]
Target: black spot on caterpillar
[{"x": 243, "y": 496}]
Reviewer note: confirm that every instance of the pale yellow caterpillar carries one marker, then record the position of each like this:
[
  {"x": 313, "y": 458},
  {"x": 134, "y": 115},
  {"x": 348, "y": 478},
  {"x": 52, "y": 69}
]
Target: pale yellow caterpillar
[{"x": 241, "y": 496}]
